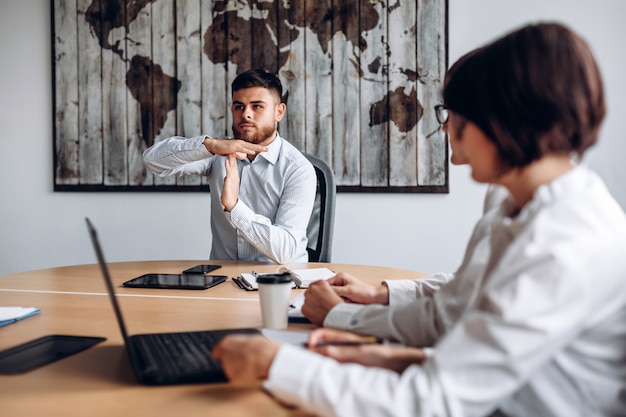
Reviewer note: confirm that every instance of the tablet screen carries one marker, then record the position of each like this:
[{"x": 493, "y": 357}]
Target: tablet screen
[{"x": 176, "y": 281}]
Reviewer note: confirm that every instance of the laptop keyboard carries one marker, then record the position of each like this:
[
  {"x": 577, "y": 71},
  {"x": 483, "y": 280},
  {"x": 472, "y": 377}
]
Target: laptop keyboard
[{"x": 179, "y": 354}]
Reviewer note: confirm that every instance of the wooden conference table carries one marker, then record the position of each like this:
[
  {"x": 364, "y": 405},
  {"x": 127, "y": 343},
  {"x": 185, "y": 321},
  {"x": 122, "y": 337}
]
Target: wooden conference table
[{"x": 99, "y": 381}]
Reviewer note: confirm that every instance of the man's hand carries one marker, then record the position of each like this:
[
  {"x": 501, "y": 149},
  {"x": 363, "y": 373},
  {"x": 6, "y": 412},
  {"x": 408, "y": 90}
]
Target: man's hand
[
  {"x": 240, "y": 148},
  {"x": 395, "y": 358},
  {"x": 245, "y": 359},
  {"x": 353, "y": 290},
  {"x": 230, "y": 192}
]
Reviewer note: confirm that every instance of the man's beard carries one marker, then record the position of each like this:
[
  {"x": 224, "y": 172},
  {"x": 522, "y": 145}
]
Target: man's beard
[{"x": 262, "y": 134}]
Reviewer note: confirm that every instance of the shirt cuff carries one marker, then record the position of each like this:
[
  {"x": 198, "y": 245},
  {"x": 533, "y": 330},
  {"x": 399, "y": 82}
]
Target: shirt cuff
[
  {"x": 241, "y": 216},
  {"x": 400, "y": 291},
  {"x": 342, "y": 316},
  {"x": 196, "y": 145},
  {"x": 288, "y": 382},
  {"x": 203, "y": 148}
]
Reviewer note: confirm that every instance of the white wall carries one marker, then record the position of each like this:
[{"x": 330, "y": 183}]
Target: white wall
[{"x": 40, "y": 228}]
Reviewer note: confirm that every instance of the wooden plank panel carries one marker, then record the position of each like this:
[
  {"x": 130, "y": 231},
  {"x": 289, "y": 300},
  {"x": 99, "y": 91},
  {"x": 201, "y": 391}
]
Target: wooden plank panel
[
  {"x": 403, "y": 106},
  {"x": 89, "y": 99},
  {"x": 373, "y": 91},
  {"x": 345, "y": 56},
  {"x": 213, "y": 61},
  {"x": 114, "y": 128},
  {"x": 189, "y": 52},
  {"x": 138, "y": 47},
  {"x": 264, "y": 37},
  {"x": 165, "y": 88},
  {"x": 318, "y": 86},
  {"x": 239, "y": 45},
  {"x": 292, "y": 73},
  {"x": 66, "y": 92},
  {"x": 215, "y": 101},
  {"x": 431, "y": 56},
  {"x": 114, "y": 124}
]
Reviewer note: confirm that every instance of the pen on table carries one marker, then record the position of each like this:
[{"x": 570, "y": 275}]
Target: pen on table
[{"x": 362, "y": 341}]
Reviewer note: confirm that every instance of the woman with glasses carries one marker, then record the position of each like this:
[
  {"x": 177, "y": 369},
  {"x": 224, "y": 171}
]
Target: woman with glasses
[{"x": 546, "y": 332}]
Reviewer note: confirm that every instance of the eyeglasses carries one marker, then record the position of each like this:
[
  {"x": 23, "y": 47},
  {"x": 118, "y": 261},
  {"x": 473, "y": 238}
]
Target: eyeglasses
[{"x": 442, "y": 114}]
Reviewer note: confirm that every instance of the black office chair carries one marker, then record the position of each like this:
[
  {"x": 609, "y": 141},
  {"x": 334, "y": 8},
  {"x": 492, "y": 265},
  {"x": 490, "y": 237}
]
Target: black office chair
[{"x": 321, "y": 225}]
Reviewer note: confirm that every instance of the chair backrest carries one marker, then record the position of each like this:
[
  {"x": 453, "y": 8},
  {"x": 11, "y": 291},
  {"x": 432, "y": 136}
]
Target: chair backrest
[{"x": 322, "y": 223}]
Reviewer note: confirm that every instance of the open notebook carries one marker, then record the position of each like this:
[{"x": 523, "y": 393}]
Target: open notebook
[
  {"x": 301, "y": 277},
  {"x": 167, "y": 358}
]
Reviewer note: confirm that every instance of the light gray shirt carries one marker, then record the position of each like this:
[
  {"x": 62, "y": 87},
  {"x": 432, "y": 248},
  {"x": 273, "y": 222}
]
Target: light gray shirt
[
  {"x": 544, "y": 336},
  {"x": 276, "y": 195}
]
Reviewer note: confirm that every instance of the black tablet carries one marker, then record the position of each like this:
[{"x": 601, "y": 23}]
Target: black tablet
[
  {"x": 42, "y": 351},
  {"x": 176, "y": 281}
]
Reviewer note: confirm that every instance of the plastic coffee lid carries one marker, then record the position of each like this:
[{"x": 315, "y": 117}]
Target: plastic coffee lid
[{"x": 273, "y": 278}]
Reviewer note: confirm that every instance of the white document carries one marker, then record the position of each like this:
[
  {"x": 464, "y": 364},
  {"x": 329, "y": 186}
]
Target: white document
[
  {"x": 10, "y": 315},
  {"x": 303, "y": 277}
]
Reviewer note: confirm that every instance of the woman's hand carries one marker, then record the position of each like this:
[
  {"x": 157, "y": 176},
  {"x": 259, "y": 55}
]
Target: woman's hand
[
  {"x": 394, "y": 358},
  {"x": 323, "y": 295},
  {"x": 319, "y": 299},
  {"x": 245, "y": 359},
  {"x": 354, "y": 290}
]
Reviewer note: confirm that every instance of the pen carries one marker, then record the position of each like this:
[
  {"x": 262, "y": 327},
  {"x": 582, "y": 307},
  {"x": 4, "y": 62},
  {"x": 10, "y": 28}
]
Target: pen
[{"x": 369, "y": 340}]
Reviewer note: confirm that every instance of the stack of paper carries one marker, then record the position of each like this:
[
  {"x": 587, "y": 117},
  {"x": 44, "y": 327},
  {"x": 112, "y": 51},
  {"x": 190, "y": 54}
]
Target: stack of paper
[{"x": 10, "y": 315}]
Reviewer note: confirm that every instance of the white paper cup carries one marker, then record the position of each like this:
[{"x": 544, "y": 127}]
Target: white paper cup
[{"x": 274, "y": 295}]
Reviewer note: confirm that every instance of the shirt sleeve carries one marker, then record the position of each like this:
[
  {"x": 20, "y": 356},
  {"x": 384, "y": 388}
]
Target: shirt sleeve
[
  {"x": 325, "y": 387},
  {"x": 280, "y": 240},
  {"x": 486, "y": 358},
  {"x": 411, "y": 301},
  {"x": 422, "y": 310},
  {"x": 413, "y": 324},
  {"x": 178, "y": 156},
  {"x": 406, "y": 291}
]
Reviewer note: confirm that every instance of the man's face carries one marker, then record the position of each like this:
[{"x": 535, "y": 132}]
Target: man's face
[{"x": 256, "y": 113}]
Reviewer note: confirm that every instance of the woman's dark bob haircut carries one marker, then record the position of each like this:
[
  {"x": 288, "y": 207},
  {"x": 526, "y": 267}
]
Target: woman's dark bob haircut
[{"x": 535, "y": 91}]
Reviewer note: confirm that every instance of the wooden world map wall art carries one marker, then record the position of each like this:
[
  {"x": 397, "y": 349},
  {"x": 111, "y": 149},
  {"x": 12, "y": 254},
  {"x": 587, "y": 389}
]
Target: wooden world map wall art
[{"x": 360, "y": 77}]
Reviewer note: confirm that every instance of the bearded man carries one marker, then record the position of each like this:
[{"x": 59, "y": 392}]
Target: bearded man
[{"x": 266, "y": 186}]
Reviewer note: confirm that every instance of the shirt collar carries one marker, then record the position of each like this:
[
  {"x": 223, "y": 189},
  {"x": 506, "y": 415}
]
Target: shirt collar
[
  {"x": 571, "y": 182},
  {"x": 274, "y": 150}
]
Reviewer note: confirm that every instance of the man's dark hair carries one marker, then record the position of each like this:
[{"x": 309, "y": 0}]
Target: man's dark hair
[
  {"x": 258, "y": 78},
  {"x": 538, "y": 90}
]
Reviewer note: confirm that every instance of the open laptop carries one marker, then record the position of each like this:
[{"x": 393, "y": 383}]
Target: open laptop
[{"x": 167, "y": 358}]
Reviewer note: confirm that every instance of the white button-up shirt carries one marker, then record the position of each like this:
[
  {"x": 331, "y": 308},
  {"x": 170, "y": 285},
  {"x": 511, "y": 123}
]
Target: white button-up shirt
[
  {"x": 420, "y": 311},
  {"x": 276, "y": 195},
  {"x": 544, "y": 335}
]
